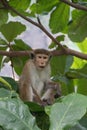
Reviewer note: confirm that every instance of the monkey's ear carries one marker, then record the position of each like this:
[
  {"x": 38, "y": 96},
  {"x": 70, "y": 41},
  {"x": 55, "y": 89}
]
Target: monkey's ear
[{"x": 32, "y": 55}]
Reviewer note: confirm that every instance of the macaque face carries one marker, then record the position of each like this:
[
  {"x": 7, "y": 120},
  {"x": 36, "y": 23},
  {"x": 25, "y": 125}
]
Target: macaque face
[{"x": 41, "y": 60}]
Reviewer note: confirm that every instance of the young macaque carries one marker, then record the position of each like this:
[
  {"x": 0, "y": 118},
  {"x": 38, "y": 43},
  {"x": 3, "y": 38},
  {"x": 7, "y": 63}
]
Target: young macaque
[
  {"x": 54, "y": 91},
  {"x": 35, "y": 77}
]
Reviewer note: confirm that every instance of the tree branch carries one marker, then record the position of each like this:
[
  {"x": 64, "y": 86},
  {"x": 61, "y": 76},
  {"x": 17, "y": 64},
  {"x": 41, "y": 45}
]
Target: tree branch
[
  {"x": 77, "y": 6},
  {"x": 15, "y": 53},
  {"x": 54, "y": 53}
]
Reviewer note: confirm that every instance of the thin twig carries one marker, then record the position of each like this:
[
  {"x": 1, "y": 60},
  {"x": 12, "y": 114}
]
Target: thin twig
[{"x": 77, "y": 6}]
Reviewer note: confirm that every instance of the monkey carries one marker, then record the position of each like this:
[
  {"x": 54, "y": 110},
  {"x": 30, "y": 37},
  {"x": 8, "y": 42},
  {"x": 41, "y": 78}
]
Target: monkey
[
  {"x": 35, "y": 78},
  {"x": 54, "y": 91}
]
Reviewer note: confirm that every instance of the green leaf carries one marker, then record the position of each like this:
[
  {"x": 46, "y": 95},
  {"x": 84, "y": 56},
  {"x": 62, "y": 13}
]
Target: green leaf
[
  {"x": 68, "y": 87},
  {"x": 77, "y": 127},
  {"x": 83, "y": 121},
  {"x": 12, "y": 30},
  {"x": 82, "y": 125},
  {"x": 77, "y": 30},
  {"x": 83, "y": 46},
  {"x": 42, "y": 120},
  {"x": 58, "y": 22},
  {"x": 83, "y": 70},
  {"x": 81, "y": 86},
  {"x": 12, "y": 82},
  {"x": 43, "y": 6},
  {"x": 19, "y": 64},
  {"x": 3, "y": 42},
  {"x": 3, "y": 17},
  {"x": 2, "y": 80},
  {"x": 59, "y": 38},
  {"x": 69, "y": 61},
  {"x": 68, "y": 112},
  {"x": 59, "y": 68},
  {"x": 34, "y": 107},
  {"x": 61, "y": 64},
  {"x": 20, "y": 45},
  {"x": 78, "y": 63},
  {"x": 14, "y": 115},
  {"x": 4, "y": 93},
  {"x": 76, "y": 74},
  {"x": 22, "y": 5}
]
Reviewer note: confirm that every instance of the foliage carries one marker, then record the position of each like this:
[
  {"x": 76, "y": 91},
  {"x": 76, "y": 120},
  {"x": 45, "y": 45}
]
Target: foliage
[
  {"x": 64, "y": 114},
  {"x": 69, "y": 112},
  {"x": 77, "y": 27},
  {"x": 14, "y": 114}
]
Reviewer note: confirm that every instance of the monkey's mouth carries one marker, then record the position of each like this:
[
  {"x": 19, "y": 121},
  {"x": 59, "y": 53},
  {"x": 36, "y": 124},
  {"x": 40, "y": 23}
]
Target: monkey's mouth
[{"x": 41, "y": 66}]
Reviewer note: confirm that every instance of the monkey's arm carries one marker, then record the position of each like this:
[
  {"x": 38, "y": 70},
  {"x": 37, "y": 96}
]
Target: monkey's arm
[{"x": 25, "y": 90}]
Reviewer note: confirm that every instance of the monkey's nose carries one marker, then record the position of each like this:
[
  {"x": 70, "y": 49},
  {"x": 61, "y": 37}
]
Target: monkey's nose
[{"x": 42, "y": 65}]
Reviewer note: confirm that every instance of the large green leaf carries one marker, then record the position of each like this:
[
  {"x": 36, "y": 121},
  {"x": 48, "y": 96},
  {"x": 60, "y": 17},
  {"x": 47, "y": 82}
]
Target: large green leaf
[
  {"x": 59, "y": 68},
  {"x": 12, "y": 82},
  {"x": 83, "y": 70},
  {"x": 3, "y": 44},
  {"x": 43, "y": 6},
  {"x": 77, "y": 29},
  {"x": 61, "y": 64},
  {"x": 12, "y": 30},
  {"x": 79, "y": 69},
  {"x": 83, "y": 121},
  {"x": 67, "y": 87},
  {"x": 78, "y": 127},
  {"x": 14, "y": 115},
  {"x": 82, "y": 86},
  {"x": 59, "y": 18},
  {"x": 22, "y": 5},
  {"x": 59, "y": 39},
  {"x": 82, "y": 125},
  {"x": 20, "y": 45},
  {"x": 19, "y": 64},
  {"x": 78, "y": 63},
  {"x": 4, "y": 93},
  {"x": 83, "y": 46},
  {"x": 80, "y": 72},
  {"x": 34, "y": 107},
  {"x": 66, "y": 113},
  {"x": 3, "y": 16},
  {"x": 2, "y": 80}
]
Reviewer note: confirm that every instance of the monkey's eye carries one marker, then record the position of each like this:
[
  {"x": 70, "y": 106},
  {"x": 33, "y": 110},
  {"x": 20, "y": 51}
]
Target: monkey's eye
[
  {"x": 39, "y": 57},
  {"x": 44, "y": 57}
]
